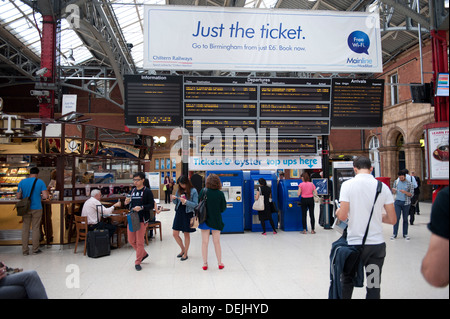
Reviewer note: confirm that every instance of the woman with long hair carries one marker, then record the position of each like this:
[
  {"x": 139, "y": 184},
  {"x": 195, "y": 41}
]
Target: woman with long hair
[
  {"x": 307, "y": 190},
  {"x": 216, "y": 205},
  {"x": 185, "y": 201}
]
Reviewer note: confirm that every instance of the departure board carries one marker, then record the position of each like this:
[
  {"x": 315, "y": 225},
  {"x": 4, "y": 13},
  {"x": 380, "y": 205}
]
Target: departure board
[
  {"x": 301, "y": 93},
  {"x": 237, "y": 100},
  {"x": 298, "y": 127},
  {"x": 357, "y": 103},
  {"x": 257, "y": 146},
  {"x": 220, "y": 92},
  {"x": 236, "y": 126},
  {"x": 222, "y": 110},
  {"x": 153, "y": 100}
]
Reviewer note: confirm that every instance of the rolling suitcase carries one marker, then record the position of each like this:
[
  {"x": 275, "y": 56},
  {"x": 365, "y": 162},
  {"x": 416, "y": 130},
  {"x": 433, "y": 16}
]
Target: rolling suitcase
[{"x": 98, "y": 242}]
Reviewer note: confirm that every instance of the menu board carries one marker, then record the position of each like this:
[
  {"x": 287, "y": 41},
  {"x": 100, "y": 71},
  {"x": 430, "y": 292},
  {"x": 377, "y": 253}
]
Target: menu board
[
  {"x": 153, "y": 100},
  {"x": 357, "y": 103}
]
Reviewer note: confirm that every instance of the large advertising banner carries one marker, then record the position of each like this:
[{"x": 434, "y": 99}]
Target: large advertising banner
[{"x": 240, "y": 39}]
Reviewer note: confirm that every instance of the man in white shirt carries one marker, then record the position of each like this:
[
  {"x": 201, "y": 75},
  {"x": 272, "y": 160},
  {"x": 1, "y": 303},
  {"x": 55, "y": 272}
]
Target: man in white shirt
[
  {"x": 357, "y": 197},
  {"x": 92, "y": 208}
]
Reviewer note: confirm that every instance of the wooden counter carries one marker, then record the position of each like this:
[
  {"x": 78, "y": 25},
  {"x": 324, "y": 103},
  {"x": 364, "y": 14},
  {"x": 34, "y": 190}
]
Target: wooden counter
[{"x": 57, "y": 220}]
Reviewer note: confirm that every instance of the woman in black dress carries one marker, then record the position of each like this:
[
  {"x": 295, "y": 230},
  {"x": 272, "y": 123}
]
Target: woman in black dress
[
  {"x": 185, "y": 200},
  {"x": 265, "y": 214}
]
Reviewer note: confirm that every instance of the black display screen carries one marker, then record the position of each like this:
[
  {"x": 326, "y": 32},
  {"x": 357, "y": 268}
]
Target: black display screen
[
  {"x": 259, "y": 146},
  {"x": 153, "y": 100},
  {"x": 357, "y": 103}
]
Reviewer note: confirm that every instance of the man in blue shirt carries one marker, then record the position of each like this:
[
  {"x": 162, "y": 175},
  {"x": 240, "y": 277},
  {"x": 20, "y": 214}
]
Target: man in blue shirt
[
  {"x": 34, "y": 215},
  {"x": 404, "y": 190}
]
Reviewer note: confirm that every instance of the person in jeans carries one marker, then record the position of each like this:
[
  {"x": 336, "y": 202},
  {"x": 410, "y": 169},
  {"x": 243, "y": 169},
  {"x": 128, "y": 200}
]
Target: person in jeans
[
  {"x": 357, "y": 198},
  {"x": 34, "y": 216},
  {"x": 404, "y": 190},
  {"x": 307, "y": 190},
  {"x": 141, "y": 201},
  {"x": 21, "y": 285}
]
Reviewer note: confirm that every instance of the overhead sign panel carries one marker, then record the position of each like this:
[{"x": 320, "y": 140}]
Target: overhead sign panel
[
  {"x": 357, "y": 103},
  {"x": 241, "y": 39},
  {"x": 152, "y": 100}
]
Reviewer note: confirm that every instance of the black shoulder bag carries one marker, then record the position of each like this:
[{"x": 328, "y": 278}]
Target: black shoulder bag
[
  {"x": 353, "y": 260},
  {"x": 23, "y": 206},
  {"x": 200, "y": 210}
]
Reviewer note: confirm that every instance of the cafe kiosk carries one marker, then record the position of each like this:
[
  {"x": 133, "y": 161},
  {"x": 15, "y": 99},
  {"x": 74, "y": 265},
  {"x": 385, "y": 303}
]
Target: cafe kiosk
[
  {"x": 289, "y": 204},
  {"x": 232, "y": 184}
]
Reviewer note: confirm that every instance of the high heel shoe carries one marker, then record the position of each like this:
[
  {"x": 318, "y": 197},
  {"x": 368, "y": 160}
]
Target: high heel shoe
[
  {"x": 205, "y": 267},
  {"x": 221, "y": 266}
]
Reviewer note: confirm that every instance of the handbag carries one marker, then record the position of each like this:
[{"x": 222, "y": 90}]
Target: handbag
[
  {"x": 194, "y": 222},
  {"x": 200, "y": 210},
  {"x": 353, "y": 260},
  {"x": 259, "y": 203},
  {"x": 134, "y": 224},
  {"x": 23, "y": 206}
]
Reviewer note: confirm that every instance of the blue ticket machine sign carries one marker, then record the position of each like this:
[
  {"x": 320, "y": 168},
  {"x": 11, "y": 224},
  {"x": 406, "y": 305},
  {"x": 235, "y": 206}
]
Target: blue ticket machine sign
[
  {"x": 232, "y": 186},
  {"x": 290, "y": 205}
]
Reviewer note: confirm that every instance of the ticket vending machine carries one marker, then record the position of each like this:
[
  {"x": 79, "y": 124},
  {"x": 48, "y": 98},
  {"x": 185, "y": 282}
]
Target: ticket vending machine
[
  {"x": 232, "y": 184},
  {"x": 290, "y": 205},
  {"x": 271, "y": 179},
  {"x": 248, "y": 202}
]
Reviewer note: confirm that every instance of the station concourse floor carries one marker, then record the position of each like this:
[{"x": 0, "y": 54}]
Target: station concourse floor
[{"x": 289, "y": 265}]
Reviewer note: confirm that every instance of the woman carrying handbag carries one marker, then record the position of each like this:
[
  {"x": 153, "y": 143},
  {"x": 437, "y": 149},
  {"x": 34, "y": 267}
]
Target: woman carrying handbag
[
  {"x": 265, "y": 214},
  {"x": 216, "y": 205}
]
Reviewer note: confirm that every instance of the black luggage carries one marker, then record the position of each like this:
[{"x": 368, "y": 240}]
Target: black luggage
[{"x": 98, "y": 241}]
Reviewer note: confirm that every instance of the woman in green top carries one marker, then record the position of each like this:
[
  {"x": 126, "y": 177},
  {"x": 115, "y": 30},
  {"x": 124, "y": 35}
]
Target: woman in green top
[{"x": 216, "y": 205}]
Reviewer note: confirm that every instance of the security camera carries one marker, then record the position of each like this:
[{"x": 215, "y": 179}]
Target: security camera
[
  {"x": 39, "y": 93},
  {"x": 41, "y": 72}
]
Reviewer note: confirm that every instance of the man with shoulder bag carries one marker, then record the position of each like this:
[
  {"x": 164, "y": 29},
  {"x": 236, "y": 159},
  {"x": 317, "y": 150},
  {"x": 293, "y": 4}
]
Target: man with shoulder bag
[
  {"x": 32, "y": 188},
  {"x": 362, "y": 205}
]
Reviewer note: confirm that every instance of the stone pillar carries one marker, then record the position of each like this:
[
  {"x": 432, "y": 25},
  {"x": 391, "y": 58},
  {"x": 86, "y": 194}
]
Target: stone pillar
[
  {"x": 413, "y": 158},
  {"x": 389, "y": 162}
]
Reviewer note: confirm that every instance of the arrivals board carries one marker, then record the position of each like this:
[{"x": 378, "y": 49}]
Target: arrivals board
[
  {"x": 153, "y": 100},
  {"x": 357, "y": 103}
]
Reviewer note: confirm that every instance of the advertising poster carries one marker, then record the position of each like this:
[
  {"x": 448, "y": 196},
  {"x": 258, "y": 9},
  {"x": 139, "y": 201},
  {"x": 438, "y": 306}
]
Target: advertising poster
[
  {"x": 239, "y": 39},
  {"x": 438, "y": 153}
]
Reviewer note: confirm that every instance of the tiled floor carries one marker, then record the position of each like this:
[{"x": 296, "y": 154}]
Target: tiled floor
[{"x": 286, "y": 265}]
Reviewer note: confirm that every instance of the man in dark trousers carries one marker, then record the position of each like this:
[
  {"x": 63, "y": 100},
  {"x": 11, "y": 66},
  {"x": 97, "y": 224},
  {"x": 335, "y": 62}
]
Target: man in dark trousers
[
  {"x": 34, "y": 216},
  {"x": 414, "y": 208},
  {"x": 356, "y": 199}
]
